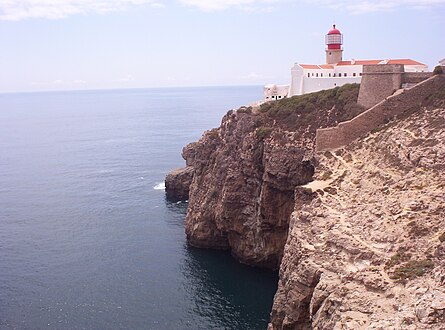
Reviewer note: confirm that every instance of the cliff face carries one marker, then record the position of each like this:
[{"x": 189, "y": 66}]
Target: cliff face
[
  {"x": 245, "y": 172},
  {"x": 358, "y": 233},
  {"x": 366, "y": 246}
]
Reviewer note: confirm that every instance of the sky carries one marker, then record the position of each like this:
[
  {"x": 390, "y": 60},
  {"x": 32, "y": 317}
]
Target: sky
[{"x": 86, "y": 44}]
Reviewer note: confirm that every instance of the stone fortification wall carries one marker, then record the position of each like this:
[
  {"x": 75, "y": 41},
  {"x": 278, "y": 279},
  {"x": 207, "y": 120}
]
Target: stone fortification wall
[
  {"x": 379, "y": 82},
  {"x": 415, "y": 77},
  {"x": 348, "y": 131}
]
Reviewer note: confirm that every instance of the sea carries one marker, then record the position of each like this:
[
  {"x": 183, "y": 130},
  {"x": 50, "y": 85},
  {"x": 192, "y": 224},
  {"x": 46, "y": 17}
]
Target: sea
[{"x": 87, "y": 237}]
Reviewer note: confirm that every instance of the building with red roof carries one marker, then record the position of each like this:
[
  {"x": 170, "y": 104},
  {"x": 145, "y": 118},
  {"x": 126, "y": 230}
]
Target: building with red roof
[{"x": 308, "y": 78}]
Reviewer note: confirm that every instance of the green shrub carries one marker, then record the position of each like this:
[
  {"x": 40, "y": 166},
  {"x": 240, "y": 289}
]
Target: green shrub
[
  {"x": 412, "y": 269},
  {"x": 438, "y": 70},
  {"x": 343, "y": 98},
  {"x": 398, "y": 258},
  {"x": 263, "y": 132}
]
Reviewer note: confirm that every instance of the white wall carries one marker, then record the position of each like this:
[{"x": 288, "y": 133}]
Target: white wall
[
  {"x": 296, "y": 85},
  {"x": 317, "y": 84}
]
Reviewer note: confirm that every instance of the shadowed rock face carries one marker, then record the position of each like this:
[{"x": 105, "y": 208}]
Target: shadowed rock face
[
  {"x": 241, "y": 196},
  {"x": 245, "y": 173},
  {"x": 177, "y": 184}
]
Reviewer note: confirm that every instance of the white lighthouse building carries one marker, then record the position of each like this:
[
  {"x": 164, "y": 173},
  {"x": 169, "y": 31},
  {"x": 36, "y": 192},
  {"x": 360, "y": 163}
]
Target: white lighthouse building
[{"x": 308, "y": 78}]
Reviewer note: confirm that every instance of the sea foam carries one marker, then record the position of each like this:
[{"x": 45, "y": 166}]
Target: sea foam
[{"x": 159, "y": 186}]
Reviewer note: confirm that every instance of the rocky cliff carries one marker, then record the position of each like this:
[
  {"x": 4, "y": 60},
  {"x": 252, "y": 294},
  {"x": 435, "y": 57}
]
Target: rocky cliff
[
  {"x": 358, "y": 233},
  {"x": 245, "y": 172},
  {"x": 366, "y": 246}
]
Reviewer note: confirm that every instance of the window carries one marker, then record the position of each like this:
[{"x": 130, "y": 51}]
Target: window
[
  {"x": 316, "y": 75},
  {"x": 354, "y": 74},
  {"x": 335, "y": 74},
  {"x": 312, "y": 74},
  {"x": 321, "y": 74},
  {"x": 335, "y": 84},
  {"x": 360, "y": 74},
  {"x": 308, "y": 74},
  {"x": 329, "y": 75}
]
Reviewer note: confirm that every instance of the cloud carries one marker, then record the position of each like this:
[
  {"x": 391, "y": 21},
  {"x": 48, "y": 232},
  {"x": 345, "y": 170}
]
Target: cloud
[
  {"x": 352, "y": 6},
  {"x": 213, "y": 5},
  {"x": 361, "y": 7},
  {"x": 15, "y": 10}
]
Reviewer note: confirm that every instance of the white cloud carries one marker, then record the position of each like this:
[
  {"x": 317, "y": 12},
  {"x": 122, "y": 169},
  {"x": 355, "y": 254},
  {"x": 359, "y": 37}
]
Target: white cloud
[
  {"x": 360, "y": 7},
  {"x": 16, "y": 10},
  {"x": 352, "y": 6},
  {"x": 212, "y": 5},
  {"x": 57, "y": 9}
]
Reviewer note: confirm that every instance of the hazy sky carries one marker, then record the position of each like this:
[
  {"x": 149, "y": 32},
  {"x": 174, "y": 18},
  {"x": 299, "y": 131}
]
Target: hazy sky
[{"x": 87, "y": 44}]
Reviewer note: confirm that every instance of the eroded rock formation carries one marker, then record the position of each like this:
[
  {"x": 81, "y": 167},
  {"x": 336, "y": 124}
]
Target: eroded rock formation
[
  {"x": 177, "y": 183},
  {"x": 245, "y": 172},
  {"x": 366, "y": 249},
  {"x": 358, "y": 233}
]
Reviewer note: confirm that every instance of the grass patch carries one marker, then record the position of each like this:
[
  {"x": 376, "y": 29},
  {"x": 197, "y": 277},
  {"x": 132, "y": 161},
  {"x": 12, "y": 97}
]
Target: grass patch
[
  {"x": 263, "y": 132},
  {"x": 398, "y": 258},
  {"x": 339, "y": 102},
  {"x": 412, "y": 269}
]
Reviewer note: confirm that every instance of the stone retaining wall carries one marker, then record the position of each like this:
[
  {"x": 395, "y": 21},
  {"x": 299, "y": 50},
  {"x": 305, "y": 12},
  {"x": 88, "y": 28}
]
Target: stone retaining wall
[
  {"x": 415, "y": 77},
  {"x": 378, "y": 115}
]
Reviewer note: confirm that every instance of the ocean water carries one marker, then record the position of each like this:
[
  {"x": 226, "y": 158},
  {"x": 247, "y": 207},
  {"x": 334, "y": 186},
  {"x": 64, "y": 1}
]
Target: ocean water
[{"x": 87, "y": 238}]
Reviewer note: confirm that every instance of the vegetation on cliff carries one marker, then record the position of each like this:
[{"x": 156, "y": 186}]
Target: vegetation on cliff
[{"x": 304, "y": 110}]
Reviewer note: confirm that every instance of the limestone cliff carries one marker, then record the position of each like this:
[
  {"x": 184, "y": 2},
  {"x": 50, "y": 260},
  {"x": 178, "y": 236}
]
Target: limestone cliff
[
  {"x": 358, "y": 233},
  {"x": 366, "y": 246},
  {"x": 245, "y": 172}
]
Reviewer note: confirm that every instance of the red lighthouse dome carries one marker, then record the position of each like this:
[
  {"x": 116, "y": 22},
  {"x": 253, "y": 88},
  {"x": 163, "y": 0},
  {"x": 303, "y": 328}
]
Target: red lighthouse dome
[{"x": 334, "y": 39}]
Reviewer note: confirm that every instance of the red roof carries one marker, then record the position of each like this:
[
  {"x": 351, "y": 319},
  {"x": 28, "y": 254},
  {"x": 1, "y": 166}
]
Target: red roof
[
  {"x": 334, "y": 30},
  {"x": 314, "y": 66},
  {"x": 360, "y": 62},
  {"x": 404, "y": 61},
  {"x": 309, "y": 66}
]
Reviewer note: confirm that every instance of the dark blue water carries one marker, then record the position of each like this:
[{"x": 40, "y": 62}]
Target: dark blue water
[{"x": 86, "y": 242}]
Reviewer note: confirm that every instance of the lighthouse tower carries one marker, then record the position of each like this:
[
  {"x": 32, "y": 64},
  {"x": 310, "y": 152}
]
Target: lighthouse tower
[{"x": 334, "y": 51}]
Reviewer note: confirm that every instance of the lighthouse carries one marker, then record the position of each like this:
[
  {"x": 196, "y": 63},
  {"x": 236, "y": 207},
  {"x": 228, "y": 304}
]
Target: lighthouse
[
  {"x": 309, "y": 78},
  {"x": 334, "y": 41}
]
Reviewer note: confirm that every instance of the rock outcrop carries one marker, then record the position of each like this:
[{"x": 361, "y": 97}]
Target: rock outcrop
[
  {"x": 245, "y": 172},
  {"x": 366, "y": 246},
  {"x": 177, "y": 183},
  {"x": 358, "y": 232}
]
